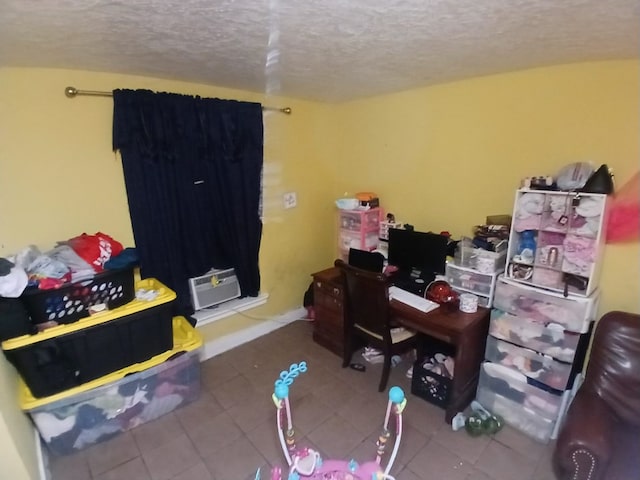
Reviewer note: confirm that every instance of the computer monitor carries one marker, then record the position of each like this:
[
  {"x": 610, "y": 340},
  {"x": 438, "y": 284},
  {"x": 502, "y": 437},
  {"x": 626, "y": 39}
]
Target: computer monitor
[
  {"x": 370, "y": 261},
  {"x": 417, "y": 251}
]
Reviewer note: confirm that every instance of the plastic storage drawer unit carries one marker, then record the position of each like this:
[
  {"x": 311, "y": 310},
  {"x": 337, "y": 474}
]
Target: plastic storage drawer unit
[
  {"x": 360, "y": 220},
  {"x": 539, "y": 367},
  {"x": 545, "y": 307},
  {"x": 513, "y": 385},
  {"x": 98, "y": 410},
  {"x": 66, "y": 356},
  {"x": 470, "y": 280},
  {"x": 555, "y": 342},
  {"x": 524, "y": 419}
]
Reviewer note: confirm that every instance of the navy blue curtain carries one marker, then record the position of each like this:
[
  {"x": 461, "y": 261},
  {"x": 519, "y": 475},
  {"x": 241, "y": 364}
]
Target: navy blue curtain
[{"x": 192, "y": 170}]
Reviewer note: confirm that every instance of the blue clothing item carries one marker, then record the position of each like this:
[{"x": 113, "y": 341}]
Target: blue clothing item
[{"x": 127, "y": 258}]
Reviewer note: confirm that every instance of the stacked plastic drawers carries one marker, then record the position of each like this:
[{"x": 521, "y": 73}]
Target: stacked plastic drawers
[
  {"x": 72, "y": 374},
  {"x": 475, "y": 271},
  {"x": 535, "y": 350}
]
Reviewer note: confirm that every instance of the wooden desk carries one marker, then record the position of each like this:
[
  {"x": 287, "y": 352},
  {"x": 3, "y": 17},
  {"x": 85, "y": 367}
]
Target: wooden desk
[{"x": 467, "y": 332}]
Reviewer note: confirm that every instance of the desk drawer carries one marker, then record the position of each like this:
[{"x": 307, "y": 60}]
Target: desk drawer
[
  {"x": 327, "y": 319},
  {"x": 327, "y": 302},
  {"x": 324, "y": 288},
  {"x": 528, "y": 362}
]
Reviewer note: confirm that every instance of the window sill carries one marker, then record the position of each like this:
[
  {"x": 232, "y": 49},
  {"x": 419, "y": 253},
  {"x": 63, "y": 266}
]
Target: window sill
[{"x": 226, "y": 309}]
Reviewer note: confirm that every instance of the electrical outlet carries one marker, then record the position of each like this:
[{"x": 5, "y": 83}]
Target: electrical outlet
[{"x": 290, "y": 200}]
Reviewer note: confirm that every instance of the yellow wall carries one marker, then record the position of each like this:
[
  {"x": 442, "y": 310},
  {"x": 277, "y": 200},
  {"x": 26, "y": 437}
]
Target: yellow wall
[
  {"x": 441, "y": 158},
  {"x": 59, "y": 178},
  {"x": 445, "y": 157}
]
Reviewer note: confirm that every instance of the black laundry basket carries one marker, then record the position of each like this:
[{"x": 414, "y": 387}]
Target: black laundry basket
[
  {"x": 430, "y": 385},
  {"x": 71, "y": 302}
]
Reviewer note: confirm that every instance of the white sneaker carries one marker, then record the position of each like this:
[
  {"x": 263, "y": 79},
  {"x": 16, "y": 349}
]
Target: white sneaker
[
  {"x": 374, "y": 358},
  {"x": 371, "y": 352},
  {"x": 409, "y": 373},
  {"x": 372, "y": 355}
]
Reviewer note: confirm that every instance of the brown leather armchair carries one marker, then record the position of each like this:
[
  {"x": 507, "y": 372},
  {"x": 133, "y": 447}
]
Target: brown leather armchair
[{"x": 600, "y": 438}]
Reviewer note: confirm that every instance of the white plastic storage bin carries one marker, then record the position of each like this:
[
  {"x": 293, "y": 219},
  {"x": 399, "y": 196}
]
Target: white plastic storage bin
[
  {"x": 534, "y": 365},
  {"x": 74, "y": 419},
  {"x": 469, "y": 280},
  {"x": 555, "y": 342},
  {"x": 479, "y": 259},
  {"x": 524, "y": 419},
  {"x": 513, "y": 385},
  {"x": 557, "y": 239},
  {"x": 545, "y": 307}
]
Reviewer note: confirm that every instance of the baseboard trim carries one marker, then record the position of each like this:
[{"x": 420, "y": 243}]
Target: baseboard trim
[
  {"x": 226, "y": 309},
  {"x": 43, "y": 458},
  {"x": 227, "y": 342}
]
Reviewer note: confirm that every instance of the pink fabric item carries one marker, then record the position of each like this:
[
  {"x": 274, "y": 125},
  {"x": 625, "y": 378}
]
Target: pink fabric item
[{"x": 624, "y": 215}]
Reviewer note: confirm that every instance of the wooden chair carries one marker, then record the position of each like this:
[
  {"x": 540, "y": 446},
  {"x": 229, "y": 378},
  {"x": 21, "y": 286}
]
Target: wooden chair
[{"x": 366, "y": 316}]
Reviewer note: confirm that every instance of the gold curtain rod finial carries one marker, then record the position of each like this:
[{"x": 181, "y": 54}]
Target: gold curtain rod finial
[
  {"x": 286, "y": 110},
  {"x": 71, "y": 92}
]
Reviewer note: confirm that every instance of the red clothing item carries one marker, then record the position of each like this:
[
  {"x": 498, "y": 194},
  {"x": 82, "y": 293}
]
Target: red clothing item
[{"x": 95, "y": 249}]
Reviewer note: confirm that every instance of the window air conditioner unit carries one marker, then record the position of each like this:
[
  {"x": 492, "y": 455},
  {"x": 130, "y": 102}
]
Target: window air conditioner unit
[{"x": 214, "y": 287}]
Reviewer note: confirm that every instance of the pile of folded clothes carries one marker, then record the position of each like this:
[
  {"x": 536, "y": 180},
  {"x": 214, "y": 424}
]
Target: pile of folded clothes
[{"x": 74, "y": 260}]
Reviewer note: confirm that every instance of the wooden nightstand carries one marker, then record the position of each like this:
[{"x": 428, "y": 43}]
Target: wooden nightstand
[{"x": 328, "y": 328}]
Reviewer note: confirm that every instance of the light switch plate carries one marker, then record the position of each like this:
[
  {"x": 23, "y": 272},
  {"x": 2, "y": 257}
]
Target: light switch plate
[{"x": 290, "y": 200}]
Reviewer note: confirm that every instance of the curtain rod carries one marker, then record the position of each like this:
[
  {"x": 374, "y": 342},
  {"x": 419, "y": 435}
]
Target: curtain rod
[{"x": 71, "y": 92}]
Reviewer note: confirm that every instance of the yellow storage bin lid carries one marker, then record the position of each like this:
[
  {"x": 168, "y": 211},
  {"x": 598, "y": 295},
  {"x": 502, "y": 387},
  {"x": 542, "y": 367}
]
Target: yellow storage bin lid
[
  {"x": 185, "y": 339},
  {"x": 165, "y": 295}
]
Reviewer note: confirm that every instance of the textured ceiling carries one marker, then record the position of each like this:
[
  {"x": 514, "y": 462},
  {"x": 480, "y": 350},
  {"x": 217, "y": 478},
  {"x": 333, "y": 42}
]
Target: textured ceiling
[{"x": 330, "y": 50}]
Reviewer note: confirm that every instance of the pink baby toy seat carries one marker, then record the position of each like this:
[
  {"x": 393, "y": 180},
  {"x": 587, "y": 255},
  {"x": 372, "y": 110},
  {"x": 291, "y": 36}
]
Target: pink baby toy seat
[{"x": 306, "y": 463}]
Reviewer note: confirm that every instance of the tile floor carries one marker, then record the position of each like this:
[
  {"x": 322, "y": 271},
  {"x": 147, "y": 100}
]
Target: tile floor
[{"x": 230, "y": 431}]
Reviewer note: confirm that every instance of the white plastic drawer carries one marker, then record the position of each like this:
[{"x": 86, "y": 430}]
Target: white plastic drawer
[
  {"x": 528, "y": 362},
  {"x": 362, "y": 241},
  {"x": 469, "y": 279},
  {"x": 523, "y": 419},
  {"x": 545, "y": 308},
  {"x": 482, "y": 260},
  {"x": 555, "y": 342},
  {"x": 513, "y": 385}
]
